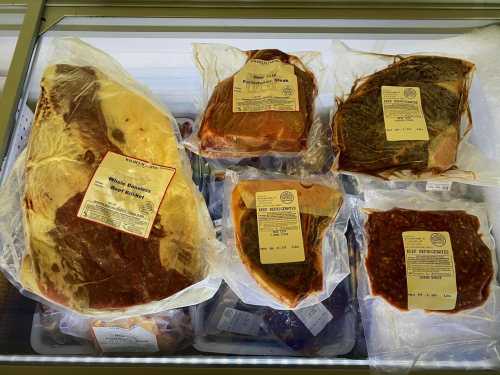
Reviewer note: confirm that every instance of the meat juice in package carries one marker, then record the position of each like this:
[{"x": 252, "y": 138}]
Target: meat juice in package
[{"x": 427, "y": 280}]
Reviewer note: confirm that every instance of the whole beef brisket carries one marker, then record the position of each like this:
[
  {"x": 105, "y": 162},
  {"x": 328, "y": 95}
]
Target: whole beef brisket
[{"x": 82, "y": 114}]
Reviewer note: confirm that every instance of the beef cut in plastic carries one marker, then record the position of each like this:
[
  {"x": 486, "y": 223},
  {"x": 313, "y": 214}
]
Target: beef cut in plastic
[
  {"x": 386, "y": 265},
  {"x": 226, "y": 133},
  {"x": 359, "y": 135}
]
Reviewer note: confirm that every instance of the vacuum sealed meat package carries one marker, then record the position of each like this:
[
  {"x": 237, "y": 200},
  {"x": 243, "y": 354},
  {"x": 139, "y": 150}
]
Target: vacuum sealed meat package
[
  {"x": 365, "y": 138},
  {"x": 325, "y": 329},
  {"x": 48, "y": 338},
  {"x": 285, "y": 240},
  {"x": 427, "y": 283},
  {"x": 224, "y": 324},
  {"x": 257, "y": 103},
  {"x": 227, "y": 325},
  {"x": 61, "y": 332},
  {"x": 100, "y": 214},
  {"x": 385, "y": 262},
  {"x": 167, "y": 332},
  {"x": 409, "y": 116}
]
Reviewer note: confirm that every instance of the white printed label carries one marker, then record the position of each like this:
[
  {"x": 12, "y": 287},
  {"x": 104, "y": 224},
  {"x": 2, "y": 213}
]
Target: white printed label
[
  {"x": 241, "y": 322},
  {"x": 133, "y": 340},
  {"x": 125, "y": 193},
  {"x": 438, "y": 186},
  {"x": 279, "y": 228},
  {"x": 403, "y": 114},
  {"x": 265, "y": 85},
  {"x": 430, "y": 270},
  {"x": 315, "y": 318}
]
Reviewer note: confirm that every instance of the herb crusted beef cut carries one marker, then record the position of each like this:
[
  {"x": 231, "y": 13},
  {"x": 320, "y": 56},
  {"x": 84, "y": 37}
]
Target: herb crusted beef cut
[{"x": 359, "y": 136}]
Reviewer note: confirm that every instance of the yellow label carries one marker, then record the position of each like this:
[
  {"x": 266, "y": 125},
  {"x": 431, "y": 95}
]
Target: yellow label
[
  {"x": 403, "y": 115},
  {"x": 125, "y": 194},
  {"x": 280, "y": 234},
  {"x": 430, "y": 270},
  {"x": 265, "y": 85}
]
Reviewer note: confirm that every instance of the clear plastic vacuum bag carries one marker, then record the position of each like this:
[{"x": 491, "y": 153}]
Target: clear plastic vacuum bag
[
  {"x": 61, "y": 333},
  {"x": 258, "y": 103},
  {"x": 227, "y": 325},
  {"x": 457, "y": 88},
  {"x": 408, "y": 324},
  {"x": 284, "y": 236},
  {"x": 99, "y": 214}
]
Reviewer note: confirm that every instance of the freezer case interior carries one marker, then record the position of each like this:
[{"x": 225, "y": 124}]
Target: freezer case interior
[{"x": 163, "y": 61}]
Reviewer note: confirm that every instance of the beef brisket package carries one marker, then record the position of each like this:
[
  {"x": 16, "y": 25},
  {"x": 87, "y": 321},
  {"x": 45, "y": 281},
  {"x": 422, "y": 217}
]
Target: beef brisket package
[
  {"x": 428, "y": 278},
  {"x": 417, "y": 115},
  {"x": 57, "y": 332},
  {"x": 284, "y": 237},
  {"x": 226, "y": 325},
  {"x": 100, "y": 214},
  {"x": 258, "y": 103}
]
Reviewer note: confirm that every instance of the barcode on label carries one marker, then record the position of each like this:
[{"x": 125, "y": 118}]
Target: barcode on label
[
  {"x": 241, "y": 322},
  {"x": 315, "y": 318}
]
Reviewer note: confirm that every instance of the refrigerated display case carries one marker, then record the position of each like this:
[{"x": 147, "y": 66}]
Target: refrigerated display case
[
  {"x": 11, "y": 18},
  {"x": 152, "y": 40}
]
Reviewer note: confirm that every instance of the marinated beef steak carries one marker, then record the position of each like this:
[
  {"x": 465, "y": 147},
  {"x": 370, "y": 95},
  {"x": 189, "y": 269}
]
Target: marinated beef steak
[
  {"x": 81, "y": 115},
  {"x": 359, "y": 136},
  {"x": 225, "y": 133},
  {"x": 386, "y": 265},
  {"x": 287, "y": 282}
]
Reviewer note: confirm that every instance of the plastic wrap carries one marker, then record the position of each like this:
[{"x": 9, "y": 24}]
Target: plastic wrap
[
  {"x": 224, "y": 324},
  {"x": 359, "y": 350},
  {"x": 399, "y": 338},
  {"x": 457, "y": 107},
  {"x": 227, "y": 325},
  {"x": 48, "y": 338},
  {"x": 89, "y": 109},
  {"x": 60, "y": 332},
  {"x": 167, "y": 332},
  {"x": 324, "y": 329},
  {"x": 226, "y": 132},
  {"x": 323, "y": 223}
]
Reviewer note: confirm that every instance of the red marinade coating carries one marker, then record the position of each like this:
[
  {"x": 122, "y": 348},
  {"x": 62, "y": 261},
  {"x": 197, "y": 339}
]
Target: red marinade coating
[
  {"x": 385, "y": 261},
  {"x": 224, "y": 131}
]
